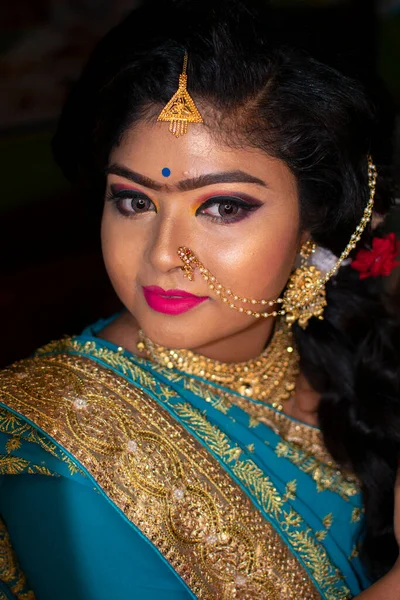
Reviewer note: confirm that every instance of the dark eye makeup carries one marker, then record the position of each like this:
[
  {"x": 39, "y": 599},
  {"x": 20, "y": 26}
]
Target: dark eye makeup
[
  {"x": 222, "y": 208},
  {"x": 129, "y": 202},
  {"x": 227, "y": 209}
]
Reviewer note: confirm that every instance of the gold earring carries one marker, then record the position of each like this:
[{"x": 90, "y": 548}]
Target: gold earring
[{"x": 305, "y": 294}]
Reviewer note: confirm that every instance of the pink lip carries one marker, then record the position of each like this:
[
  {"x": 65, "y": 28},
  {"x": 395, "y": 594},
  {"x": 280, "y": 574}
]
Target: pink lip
[{"x": 170, "y": 302}]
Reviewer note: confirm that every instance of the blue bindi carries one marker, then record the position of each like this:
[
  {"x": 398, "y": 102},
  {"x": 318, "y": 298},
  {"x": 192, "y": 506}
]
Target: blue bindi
[{"x": 166, "y": 172}]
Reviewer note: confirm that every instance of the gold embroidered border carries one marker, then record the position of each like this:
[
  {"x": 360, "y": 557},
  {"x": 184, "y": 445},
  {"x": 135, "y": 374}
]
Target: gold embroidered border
[
  {"x": 325, "y": 475},
  {"x": 19, "y": 431},
  {"x": 305, "y": 436},
  {"x": 166, "y": 483},
  {"x": 300, "y": 537},
  {"x": 10, "y": 571},
  {"x": 298, "y": 436},
  {"x": 301, "y": 435},
  {"x": 303, "y": 444}
]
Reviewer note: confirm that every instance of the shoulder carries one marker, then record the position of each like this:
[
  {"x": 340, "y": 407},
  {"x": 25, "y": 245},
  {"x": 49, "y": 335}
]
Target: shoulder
[
  {"x": 66, "y": 391},
  {"x": 38, "y": 388},
  {"x": 25, "y": 449},
  {"x": 37, "y": 373},
  {"x": 67, "y": 374},
  {"x": 26, "y": 391}
]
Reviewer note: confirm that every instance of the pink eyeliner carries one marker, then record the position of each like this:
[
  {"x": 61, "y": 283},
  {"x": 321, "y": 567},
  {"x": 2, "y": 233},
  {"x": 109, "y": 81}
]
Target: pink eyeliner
[{"x": 119, "y": 187}]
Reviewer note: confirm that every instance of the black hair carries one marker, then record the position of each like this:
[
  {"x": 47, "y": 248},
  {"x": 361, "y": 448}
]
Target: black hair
[{"x": 272, "y": 95}]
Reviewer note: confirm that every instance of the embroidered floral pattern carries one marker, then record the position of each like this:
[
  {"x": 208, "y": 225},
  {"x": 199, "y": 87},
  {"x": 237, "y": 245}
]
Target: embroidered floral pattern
[
  {"x": 20, "y": 431},
  {"x": 302, "y": 441},
  {"x": 10, "y": 571},
  {"x": 170, "y": 486},
  {"x": 326, "y": 477}
]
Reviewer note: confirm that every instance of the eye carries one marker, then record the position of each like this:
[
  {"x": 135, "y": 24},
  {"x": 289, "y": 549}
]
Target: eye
[
  {"x": 132, "y": 202},
  {"x": 224, "y": 209},
  {"x": 227, "y": 209}
]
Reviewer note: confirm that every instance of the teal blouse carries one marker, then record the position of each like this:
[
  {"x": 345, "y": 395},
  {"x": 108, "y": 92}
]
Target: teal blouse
[{"x": 121, "y": 479}]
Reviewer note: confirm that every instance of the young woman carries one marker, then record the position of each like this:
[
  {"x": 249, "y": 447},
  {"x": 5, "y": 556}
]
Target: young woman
[{"x": 234, "y": 432}]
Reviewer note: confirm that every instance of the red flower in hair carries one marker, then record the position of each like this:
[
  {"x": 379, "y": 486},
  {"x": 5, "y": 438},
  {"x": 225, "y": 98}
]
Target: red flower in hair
[{"x": 380, "y": 260}]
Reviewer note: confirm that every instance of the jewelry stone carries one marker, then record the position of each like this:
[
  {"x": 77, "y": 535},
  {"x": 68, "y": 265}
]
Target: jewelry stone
[
  {"x": 264, "y": 378},
  {"x": 240, "y": 580},
  {"x": 21, "y": 375},
  {"x": 211, "y": 539},
  {"x": 80, "y": 404},
  {"x": 178, "y": 494},
  {"x": 132, "y": 446}
]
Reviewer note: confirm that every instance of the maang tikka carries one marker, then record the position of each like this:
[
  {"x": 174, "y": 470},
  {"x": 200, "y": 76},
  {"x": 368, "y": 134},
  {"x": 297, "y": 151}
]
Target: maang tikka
[
  {"x": 181, "y": 109},
  {"x": 305, "y": 295}
]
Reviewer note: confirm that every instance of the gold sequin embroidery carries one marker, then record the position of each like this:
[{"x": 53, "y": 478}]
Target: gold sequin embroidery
[
  {"x": 19, "y": 430},
  {"x": 290, "y": 522},
  {"x": 10, "y": 571},
  {"x": 326, "y": 477},
  {"x": 166, "y": 483},
  {"x": 304, "y": 443},
  {"x": 356, "y": 515}
]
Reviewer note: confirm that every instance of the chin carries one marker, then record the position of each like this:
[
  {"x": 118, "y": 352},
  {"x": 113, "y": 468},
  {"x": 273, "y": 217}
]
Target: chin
[
  {"x": 171, "y": 334},
  {"x": 188, "y": 334}
]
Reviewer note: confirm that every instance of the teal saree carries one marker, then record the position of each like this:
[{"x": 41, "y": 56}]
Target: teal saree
[{"x": 123, "y": 479}]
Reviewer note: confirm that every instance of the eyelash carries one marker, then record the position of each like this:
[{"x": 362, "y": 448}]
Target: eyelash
[
  {"x": 245, "y": 207},
  {"x": 119, "y": 197}
]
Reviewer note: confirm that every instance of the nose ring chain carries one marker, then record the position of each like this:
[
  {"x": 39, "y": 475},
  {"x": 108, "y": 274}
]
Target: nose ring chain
[{"x": 191, "y": 262}]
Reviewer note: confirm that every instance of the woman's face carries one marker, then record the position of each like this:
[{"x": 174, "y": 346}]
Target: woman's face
[{"x": 237, "y": 209}]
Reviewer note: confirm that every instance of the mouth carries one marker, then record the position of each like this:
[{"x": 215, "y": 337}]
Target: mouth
[{"x": 171, "y": 302}]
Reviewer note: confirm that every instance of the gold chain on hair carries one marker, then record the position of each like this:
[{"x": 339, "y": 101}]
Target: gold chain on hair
[
  {"x": 306, "y": 287},
  {"x": 181, "y": 109}
]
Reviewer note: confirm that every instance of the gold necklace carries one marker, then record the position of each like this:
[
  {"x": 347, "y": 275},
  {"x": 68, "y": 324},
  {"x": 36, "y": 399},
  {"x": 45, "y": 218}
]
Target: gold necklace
[{"x": 270, "y": 377}]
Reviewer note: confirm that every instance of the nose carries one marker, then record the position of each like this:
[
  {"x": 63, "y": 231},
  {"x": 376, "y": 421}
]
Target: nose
[{"x": 166, "y": 239}]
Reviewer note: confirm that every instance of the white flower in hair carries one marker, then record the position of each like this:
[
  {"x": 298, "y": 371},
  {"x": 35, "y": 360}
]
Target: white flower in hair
[{"x": 325, "y": 260}]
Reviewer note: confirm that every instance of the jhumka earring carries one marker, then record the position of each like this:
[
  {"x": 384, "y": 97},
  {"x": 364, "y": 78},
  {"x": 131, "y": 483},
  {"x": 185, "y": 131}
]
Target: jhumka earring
[
  {"x": 298, "y": 303},
  {"x": 181, "y": 109},
  {"x": 305, "y": 295}
]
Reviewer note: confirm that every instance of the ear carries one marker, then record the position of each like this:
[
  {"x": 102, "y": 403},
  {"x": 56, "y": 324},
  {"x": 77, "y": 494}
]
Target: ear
[{"x": 304, "y": 237}]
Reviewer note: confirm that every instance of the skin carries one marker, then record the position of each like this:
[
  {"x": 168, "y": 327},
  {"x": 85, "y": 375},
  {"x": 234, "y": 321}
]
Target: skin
[
  {"x": 253, "y": 256},
  {"x": 388, "y": 587},
  {"x": 142, "y": 249}
]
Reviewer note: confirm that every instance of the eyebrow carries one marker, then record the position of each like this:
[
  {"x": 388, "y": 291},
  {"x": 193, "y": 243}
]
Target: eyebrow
[{"x": 185, "y": 185}]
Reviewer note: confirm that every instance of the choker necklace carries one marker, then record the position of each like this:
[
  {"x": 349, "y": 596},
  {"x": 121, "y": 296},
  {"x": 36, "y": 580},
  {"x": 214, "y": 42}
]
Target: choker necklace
[{"x": 270, "y": 377}]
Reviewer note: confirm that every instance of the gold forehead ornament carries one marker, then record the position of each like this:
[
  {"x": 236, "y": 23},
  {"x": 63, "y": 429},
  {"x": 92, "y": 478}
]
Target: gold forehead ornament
[
  {"x": 305, "y": 294},
  {"x": 181, "y": 109}
]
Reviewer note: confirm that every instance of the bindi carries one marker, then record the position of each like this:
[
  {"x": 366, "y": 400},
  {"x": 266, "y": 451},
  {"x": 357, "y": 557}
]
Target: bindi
[{"x": 166, "y": 172}]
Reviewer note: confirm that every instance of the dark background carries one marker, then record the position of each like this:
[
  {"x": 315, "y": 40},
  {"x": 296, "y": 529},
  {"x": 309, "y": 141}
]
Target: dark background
[{"x": 51, "y": 273}]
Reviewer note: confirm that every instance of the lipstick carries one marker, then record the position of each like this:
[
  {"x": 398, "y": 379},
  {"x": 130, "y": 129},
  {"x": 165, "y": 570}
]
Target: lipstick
[{"x": 171, "y": 302}]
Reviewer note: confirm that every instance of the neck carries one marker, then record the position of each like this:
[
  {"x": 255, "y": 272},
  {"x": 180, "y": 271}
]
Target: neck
[
  {"x": 238, "y": 347},
  {"x": 123, "y": 331},
  {"x": 269, "y": 377}
]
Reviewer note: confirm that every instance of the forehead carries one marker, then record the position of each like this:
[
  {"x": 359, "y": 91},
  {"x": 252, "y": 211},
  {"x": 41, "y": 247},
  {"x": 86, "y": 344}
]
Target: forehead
[{"x": 148, "y": 148}]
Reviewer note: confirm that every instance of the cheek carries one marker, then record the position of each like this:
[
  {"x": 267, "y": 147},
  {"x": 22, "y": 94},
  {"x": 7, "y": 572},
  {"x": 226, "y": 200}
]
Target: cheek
[
  {"x": 258, "y": 263},
  {"x": 121, "y": 254},
  {"x": 273, "y": 263}
]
